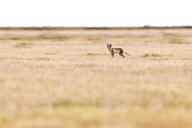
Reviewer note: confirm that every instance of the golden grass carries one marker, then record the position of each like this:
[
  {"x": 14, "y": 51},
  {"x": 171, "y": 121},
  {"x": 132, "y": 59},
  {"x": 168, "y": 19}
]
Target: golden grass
[
  {"x": 76, "y": 83},
  {"x": 96, "y": 54}
]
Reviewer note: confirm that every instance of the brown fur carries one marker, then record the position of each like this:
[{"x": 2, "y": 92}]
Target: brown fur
[{"x": 116, "y": 50}]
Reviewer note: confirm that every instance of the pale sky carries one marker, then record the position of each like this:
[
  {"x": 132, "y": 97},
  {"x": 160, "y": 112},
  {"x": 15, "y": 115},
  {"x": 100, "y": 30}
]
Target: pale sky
[{"x": 96, "y": 13}]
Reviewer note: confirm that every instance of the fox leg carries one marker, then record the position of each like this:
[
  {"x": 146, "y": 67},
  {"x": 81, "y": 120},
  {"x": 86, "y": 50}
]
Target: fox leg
[
  {"x": 112, "y": 53},
  {"x": 121, "y": 53}
]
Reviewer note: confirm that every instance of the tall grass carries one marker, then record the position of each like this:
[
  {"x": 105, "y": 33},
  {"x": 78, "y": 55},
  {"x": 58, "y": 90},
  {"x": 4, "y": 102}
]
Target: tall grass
[{"x": 77, "y": 84}]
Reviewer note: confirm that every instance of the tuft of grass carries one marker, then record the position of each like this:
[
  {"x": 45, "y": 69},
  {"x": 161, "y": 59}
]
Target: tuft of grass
[
  {"x": 59, "y": 38},
  {"x": 145, "y": 36},
  {"x": 177, "y": 41},
  {"x": 169, "y": 34},
  {"x": 52, "y": 53},
  {"x": 162, "y": 58},
  {"x": 36, "y": 38},
  {"x": 95, "y": 40},
  {"x": 23, "y": 45},
  {"x": 118, "y": 36},
  {"x": 187, "y": 58},
  {"x": 96, "y": 54},
  {"x": 146, "y": 41},
  {"x": 11, "y": 38},
  {"x": 152, "y": 55}
]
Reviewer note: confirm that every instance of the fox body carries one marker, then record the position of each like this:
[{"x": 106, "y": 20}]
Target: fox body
[{"x": 116, "y": 50}]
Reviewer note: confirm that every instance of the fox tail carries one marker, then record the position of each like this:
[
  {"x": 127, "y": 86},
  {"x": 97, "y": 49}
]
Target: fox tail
[{"x": 127, "y": 53}]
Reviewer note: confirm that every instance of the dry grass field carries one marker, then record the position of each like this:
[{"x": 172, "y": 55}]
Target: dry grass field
[{"x": 67, "y": 79}]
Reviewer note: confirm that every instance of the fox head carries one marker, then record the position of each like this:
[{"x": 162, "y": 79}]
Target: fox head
[{"x": 109, "y": 46}]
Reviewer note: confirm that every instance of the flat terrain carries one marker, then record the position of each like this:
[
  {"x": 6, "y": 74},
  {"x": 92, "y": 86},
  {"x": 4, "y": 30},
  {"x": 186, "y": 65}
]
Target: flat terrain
[{"x": 67, "y": 79}]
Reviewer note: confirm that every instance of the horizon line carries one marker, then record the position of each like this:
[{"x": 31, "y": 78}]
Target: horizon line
[{"x": 92, "y": 27}]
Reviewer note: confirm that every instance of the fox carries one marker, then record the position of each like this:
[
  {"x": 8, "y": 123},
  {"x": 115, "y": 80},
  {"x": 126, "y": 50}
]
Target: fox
[{"x": 119, "y": 51}]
